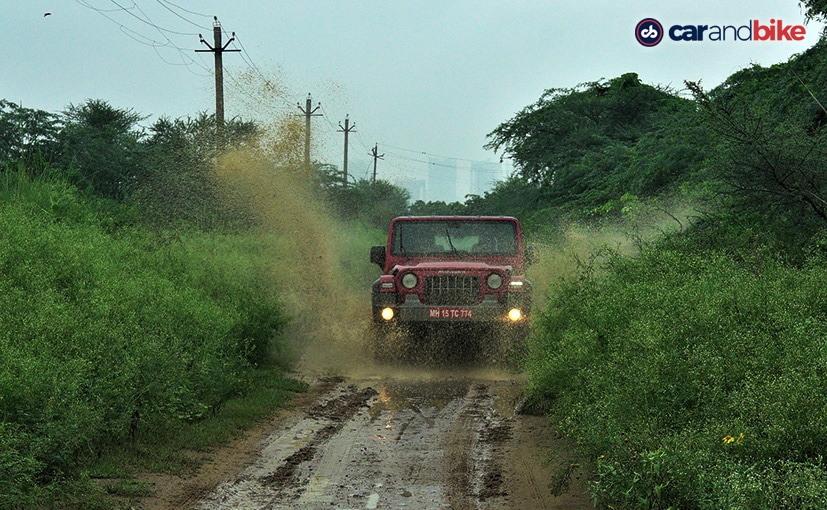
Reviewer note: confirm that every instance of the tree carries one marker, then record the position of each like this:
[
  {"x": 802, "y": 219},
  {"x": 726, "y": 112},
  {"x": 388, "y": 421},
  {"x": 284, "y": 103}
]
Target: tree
[
  {"x": 380, "y": 201},
  {"x": 777, "y": 169},
  {"x": 814, "y": 9},
  {"x": 26, "y": 133},
  {"x": 176, "y": 185},
  {"x": 100, "y": 146},
  {"x": 376, "y": 203},
  {"x": 422, "y": 208},
  {"x": 582, "y": 147}
]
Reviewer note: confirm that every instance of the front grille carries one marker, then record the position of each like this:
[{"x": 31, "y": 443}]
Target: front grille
[{"x": 449, "y": 290}]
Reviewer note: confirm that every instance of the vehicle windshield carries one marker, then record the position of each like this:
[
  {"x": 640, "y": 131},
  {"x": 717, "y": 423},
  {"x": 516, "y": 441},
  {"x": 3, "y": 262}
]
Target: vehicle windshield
[{"x": 417, "y": 238}]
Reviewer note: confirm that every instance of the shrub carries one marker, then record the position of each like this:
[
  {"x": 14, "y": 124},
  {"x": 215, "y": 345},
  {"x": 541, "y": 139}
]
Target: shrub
[
  {"x": 108, "y": 334},
  {"x": 695, "y": 380}
]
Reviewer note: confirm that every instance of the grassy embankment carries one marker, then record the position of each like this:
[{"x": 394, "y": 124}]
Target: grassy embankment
[
  {"x": 692, "y": 377},
  {"x": 122, "y": 347}
]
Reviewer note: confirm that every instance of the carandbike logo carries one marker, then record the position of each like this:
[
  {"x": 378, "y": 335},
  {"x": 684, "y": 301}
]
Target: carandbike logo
[{"x": 649, "y": 32}]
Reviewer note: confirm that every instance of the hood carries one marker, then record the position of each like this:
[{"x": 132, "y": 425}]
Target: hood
[{"x": 455, "y": 267}]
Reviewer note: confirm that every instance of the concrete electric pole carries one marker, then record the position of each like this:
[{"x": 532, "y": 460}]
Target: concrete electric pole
[
  {"x": 376, "y": 156},
  {"x": 218, "y": 49},
  {"x": 346, "y": 129},
  {"x": 308, "y": 112}
]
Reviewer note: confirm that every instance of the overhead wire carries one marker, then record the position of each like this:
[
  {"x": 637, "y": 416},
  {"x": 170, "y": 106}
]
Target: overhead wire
[
  {"x": 163, "y": 4},
  {"x": 147, "y": 21},
  {"x": 186, "y": 60},
  {"x": 432, "y": 155},
  {"x": 140, "y": 15},
  {"x": 183, "y": 9},
  {"x": 136, "y": 12}
]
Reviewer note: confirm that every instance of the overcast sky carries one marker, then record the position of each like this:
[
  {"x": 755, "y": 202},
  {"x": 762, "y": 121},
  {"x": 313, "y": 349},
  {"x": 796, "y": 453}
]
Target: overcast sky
[{"x": 422, "y": 78}]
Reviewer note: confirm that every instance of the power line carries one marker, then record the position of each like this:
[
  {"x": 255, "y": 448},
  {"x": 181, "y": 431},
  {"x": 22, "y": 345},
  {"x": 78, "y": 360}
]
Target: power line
[
  {"x": 162, "y": 4},
  {"x": 431, "y": 163},
  {"x": 183, "y": 9},
  {"x": 146, "y": 19},
  {"x": 145, "y": 40},
  {"x": 425, "y": 153}
]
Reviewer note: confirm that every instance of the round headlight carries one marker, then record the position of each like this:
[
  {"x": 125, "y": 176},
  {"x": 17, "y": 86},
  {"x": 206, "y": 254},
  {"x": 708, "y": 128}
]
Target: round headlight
[
  {"x": 515, "y": 314},
  {"x": 409, "y": 281},
  {"x": 495, "y": 281}
]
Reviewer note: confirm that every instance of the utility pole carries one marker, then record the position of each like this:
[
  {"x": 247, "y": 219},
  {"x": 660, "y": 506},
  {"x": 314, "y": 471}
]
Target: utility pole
[
  {"x": 375, "y": 153},
  {"x": 308, "y": 112},
  {"x": 347, "y": 129},
  {"x": 218, "y": 49}
]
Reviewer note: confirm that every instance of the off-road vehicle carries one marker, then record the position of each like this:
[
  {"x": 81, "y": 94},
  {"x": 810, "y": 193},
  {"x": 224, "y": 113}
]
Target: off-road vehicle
[{"x": 443, "y": 271}]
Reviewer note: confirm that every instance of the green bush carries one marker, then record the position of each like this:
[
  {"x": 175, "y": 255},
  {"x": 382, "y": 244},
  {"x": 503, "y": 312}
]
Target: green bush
[
  {"x": 111, "y": 334},
  {"x": 695, "y": 380}
]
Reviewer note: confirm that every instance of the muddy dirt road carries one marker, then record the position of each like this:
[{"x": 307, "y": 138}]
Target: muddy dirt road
[{"x": 422, "y": 440}]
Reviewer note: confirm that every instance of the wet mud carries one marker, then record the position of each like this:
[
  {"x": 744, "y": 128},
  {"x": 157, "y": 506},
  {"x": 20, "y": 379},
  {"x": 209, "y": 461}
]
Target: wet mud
[{"x": 404, "y": 439}]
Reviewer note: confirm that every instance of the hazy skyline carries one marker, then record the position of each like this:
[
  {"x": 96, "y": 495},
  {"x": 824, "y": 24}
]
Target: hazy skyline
[{"x": 423, "y": 79}]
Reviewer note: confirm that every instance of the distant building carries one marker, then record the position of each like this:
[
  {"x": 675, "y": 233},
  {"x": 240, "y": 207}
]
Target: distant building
[
  {"x": 416, "y": 187},
  {"x": 442, "y": 180},
  {"x": 483, "y": 176},
  {"x": 448, "y": 179}
]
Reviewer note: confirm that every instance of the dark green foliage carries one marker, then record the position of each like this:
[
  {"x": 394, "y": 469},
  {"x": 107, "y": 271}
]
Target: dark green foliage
[
  {"x": 100, "y": 146},
  {"x": 815, "y": 9},
  {"x": 770, "y": 155},
  {"x": 584, "y": 148},
  {"x": 177, "y": 188},
  {"x": 692, "y": 373},
  {"x": 107, "y": 338},
  {"x": 26, "y": 134},
  {"x": 652, "y": 362},
  {"x": 422, "y": 208},
  {"x": 375, "y": 203}
]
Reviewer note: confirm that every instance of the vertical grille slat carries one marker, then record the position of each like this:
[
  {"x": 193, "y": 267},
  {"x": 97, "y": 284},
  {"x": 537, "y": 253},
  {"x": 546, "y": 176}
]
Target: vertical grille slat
[{"x": 447, "y": 290}]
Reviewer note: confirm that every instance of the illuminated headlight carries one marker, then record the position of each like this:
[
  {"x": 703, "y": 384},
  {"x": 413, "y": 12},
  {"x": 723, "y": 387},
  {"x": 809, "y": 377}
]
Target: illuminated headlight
[
  {"x": 387, "y": 313},
  {"x": 387, "y": 285},
  {"x": 494, "y": 281},
  {"x": 515, "y": 314},
  {"x": 409, "y": 281},
  {"x": 516, "y": 283}
]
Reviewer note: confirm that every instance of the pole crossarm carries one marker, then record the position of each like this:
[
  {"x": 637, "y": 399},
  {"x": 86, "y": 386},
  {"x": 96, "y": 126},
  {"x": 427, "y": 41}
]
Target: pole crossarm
[
  {"x": 376, "y": 156},
  {"x": 217, "y": 48},
  {"x": 308, "y": 111},
  {"x": 346, "y": 130}
]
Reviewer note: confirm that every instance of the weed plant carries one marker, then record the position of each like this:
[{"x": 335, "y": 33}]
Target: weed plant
[
  {"x": 110, "y": 334},
  {"x": 693, "y": 380}
]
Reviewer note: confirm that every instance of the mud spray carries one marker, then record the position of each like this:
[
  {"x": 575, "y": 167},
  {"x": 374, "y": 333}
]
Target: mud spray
[
  {"x": 306, "y": 250},
  {"x": 575, "y": 246}
]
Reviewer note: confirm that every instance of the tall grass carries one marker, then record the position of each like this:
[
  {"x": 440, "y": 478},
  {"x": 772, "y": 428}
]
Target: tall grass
[
  {"x": 692, "y": 380},
  {"x": 108, "y": 335}
]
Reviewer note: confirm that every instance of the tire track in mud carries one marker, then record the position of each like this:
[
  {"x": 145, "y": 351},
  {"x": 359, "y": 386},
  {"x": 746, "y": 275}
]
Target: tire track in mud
[
  {"x": 391, "y": 443},
  {"x": 274, "y": 478}
]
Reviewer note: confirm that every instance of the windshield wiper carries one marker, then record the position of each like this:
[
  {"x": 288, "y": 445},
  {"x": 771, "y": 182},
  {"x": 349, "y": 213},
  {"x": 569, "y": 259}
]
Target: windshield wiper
[
  {"x": 448, "y": 235},
  {"x": 401, "y": 245}
]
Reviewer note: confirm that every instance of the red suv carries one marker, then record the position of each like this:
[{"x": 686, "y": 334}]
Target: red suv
[{"x": 440, "y": 270}]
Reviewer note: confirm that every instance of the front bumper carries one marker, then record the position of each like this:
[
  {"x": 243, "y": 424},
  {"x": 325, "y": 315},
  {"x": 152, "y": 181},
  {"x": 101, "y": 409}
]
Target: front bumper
[{"x": 412, "y": 310}]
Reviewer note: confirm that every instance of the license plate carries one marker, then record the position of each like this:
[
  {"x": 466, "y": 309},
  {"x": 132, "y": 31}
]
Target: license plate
[{"x": 450, "y": 313}]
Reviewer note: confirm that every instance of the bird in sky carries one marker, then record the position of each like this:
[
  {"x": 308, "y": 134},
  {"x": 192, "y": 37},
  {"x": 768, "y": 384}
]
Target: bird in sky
[{"x": 47, "y": 14}]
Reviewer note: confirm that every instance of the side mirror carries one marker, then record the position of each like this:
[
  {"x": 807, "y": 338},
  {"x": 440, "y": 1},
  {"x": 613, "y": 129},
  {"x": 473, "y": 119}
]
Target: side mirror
[
  {"x": 377, "y": 255},
  {"x": 528, "y": 255}
]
